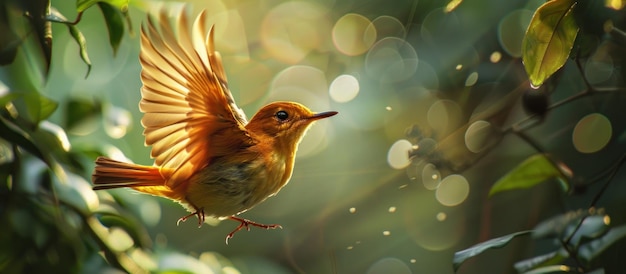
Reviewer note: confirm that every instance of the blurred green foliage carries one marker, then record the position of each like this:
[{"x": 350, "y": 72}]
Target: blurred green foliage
[
  {"x": 53, "y": 221},
  {"x": 450, "y": 78}
]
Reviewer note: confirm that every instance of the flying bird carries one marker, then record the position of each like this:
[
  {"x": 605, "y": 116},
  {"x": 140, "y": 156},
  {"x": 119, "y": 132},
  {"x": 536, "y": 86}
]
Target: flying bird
[{"x": 207, "y": 156}]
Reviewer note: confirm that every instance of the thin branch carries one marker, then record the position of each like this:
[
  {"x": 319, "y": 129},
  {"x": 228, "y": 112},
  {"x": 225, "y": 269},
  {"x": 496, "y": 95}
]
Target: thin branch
[
  {"x": 582, "y": 74},
  {"x": 528, "y": 140},
  {"x": 613, "y": 172},
  {"x": 609, "y": 179},
  {"x": 571, "y": 253}
]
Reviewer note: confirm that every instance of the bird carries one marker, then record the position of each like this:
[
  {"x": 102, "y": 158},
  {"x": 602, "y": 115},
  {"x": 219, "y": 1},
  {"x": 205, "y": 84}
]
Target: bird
[{"x": 207, "y": 156}]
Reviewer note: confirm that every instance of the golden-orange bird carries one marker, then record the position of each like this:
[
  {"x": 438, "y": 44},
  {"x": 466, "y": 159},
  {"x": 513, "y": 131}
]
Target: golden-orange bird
[{"x": 207, "y": 156}]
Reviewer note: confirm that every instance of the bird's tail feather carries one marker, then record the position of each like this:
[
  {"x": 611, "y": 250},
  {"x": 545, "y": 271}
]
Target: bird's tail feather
[{"x": 110, "y": 173}]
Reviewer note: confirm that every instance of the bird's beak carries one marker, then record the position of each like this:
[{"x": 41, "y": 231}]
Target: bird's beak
[{"x": 322, "y": 115}]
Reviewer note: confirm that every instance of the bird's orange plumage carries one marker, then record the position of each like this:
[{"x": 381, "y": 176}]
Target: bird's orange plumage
[{"x": 207, "y": 155}]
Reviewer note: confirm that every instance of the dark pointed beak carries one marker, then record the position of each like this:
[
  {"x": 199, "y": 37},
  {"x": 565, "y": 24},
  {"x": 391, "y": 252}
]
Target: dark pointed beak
[{"x": 322, "y": 115}]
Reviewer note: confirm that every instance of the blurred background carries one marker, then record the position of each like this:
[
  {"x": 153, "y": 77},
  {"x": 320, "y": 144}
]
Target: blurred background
[{"x": 434, "y": 108}]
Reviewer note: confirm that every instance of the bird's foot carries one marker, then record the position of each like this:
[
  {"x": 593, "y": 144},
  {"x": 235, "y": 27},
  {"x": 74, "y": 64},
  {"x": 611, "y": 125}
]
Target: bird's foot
[
  {"x": 247, "y": 223},
  {"x": 199, "y": 213}
]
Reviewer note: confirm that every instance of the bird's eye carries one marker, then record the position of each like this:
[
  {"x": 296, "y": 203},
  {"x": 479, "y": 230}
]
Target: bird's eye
[{"x": 282, "y": 115}]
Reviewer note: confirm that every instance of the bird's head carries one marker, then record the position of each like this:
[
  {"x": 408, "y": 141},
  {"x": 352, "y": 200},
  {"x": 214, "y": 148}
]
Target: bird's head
[{"x": 286, "y": 122}]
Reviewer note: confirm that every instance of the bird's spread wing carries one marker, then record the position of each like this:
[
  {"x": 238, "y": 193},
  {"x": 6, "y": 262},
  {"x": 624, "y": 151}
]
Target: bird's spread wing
[{"x": 189, "y": 113}]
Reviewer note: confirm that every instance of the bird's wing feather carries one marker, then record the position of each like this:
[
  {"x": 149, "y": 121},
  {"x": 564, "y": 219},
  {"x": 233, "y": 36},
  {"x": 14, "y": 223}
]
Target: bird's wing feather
[{"x": 188, "y": 110}]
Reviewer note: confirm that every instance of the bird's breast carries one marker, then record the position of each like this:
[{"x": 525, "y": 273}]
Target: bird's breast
[{"x": 227, "y": 187}]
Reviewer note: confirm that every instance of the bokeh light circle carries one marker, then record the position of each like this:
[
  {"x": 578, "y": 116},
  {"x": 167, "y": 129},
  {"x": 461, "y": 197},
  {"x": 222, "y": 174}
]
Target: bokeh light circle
[
  {"x": 495, "y": 57},
  {"x": 292, "y": 29},
  {"x": 592, "y": 133},
  {"x": 116, "y": 121},
  {"x": 249, "y": 79},
  {"x": 391, "y": 60},
  {"x": 598, "y": 70},
  {"x": 511, "y": 31},
  {"x": 389, "y": 265},
  {"x": 452, "y": 190},
  {"x": 344, "y": 88},
  {"x": 478, "y": 136},
  {"x": 432, "y": 228},
  {"x": 353, "y": 34},
  {"x": 150, "y": 212},
  {"x": 471, "y": 79},
  {"x": 441, "y": 29},
  {"x": 441, "y": 216},
  {"x": 306, "y": 85},
  {"x": 106, "y": 66},
  {"x": 388, "y": 26},
  {"x": 299, "y": 83},
  {"x": 444, "y": 115},
  {"x": 431, "y": 177},
  {"x": 398, "y": 155}
]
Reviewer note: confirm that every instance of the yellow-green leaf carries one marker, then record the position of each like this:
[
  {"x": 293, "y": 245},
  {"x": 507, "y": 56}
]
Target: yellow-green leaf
[
  {"x": 549, "y": 39},
  {"x": 534, "y": 170},
  {"x": 39, "y": 107},
  {"x": 452, "y": 5},
  {"x": 82, "y": 5}
]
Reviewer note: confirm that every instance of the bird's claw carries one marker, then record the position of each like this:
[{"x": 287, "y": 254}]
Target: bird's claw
[
  {"x": 247, "y": 223},
  {"x": 199, "y": 213}
]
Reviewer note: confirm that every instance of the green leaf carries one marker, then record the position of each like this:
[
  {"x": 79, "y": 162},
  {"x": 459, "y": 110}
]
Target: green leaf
[
  {"x": 551, "y": 258},
  {"x": 134, "y": 229},
  {"x": 5, "y": 99},
  {"x": 56, "y": 16},
  {"x": 115, "y": 24},
  {"x": 20, "y": 138},
  {"x": 79, "y": 111},
  {"x": 463, "y": 255},
  {"x": 552, "y": 269},
  {"x": 31, "y": 107},
  {"x": 568, "y": 226},
  {"x": 82, "y": 5},
  {"x": 549, "y": 39},
  {"x": 534, "y": 170},
  {"x": 54, "y": 142},
  {"x": 39, "y": 107},
  {"x": 452, "y": 5},
  {"x": 592, "y": 227},
  {"x": 9, "y": 39},
  {"x": 592, "y": 250},
  {"x": 555, "y": 226},
  {"x": 82, "y": 44},
  {"x": 38, "y": 10}
]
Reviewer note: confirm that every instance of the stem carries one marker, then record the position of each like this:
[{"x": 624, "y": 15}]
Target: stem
[
  {"x": 572, "y": 254},
  {"x": 518, "y": 126},
  {"x": 411, "y": 16},
  {"x": 62, "y": 20},
  {"x": 615, "y": 168},
  {"x": 582, "y": 73},
  {"x": 613, "y": 172},
  {"x": 528, "y": 140}
]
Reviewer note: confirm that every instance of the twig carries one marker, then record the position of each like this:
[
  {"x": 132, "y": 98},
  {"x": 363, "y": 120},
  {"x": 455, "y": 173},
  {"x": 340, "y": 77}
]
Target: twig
[
  {"x": 582, "y": 73},
  {"x": 614, "y": 169},
  {"x": 527, "y": 139}
]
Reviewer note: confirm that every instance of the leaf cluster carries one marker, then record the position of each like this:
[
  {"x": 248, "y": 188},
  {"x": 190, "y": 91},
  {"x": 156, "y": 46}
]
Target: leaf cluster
[
  {"x": 557, "y": 32},
  {"x": 53, "y": 221}
]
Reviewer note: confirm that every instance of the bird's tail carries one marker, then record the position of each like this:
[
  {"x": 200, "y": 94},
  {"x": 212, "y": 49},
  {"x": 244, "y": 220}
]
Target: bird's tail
[{"x": 110, "y": 174}]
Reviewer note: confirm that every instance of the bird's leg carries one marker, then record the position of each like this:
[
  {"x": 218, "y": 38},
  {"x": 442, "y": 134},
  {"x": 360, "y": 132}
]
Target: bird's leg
[
  {"x": 247, "y": 223},
  {"x": 199, "y": 213}
]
